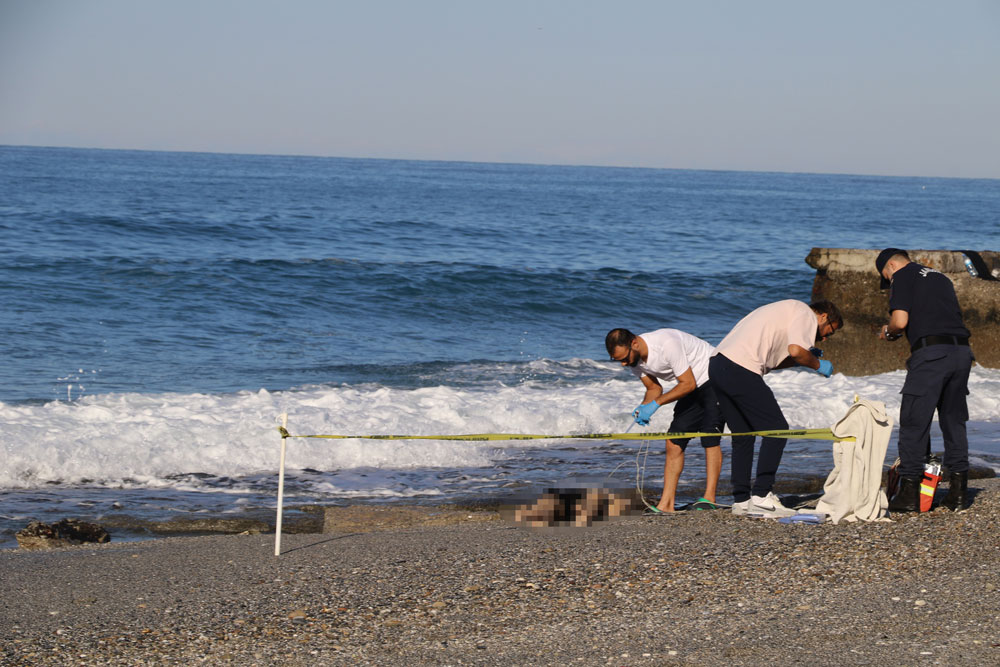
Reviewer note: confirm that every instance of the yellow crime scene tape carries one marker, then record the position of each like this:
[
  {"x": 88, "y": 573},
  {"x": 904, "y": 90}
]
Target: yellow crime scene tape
[{"x": 798, "y": 434}]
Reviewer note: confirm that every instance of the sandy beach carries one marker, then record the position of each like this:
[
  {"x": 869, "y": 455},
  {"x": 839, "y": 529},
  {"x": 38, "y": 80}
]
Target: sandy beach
[{"x": 700, "y": 588}]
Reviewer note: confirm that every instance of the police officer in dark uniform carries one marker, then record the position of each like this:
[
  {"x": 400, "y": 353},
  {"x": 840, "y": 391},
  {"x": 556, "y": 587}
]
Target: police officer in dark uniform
[{"x": 923, "y": 305}]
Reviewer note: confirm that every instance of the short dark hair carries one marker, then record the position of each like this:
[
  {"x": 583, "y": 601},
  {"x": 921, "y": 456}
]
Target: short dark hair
[
  {"x": 618, "y": 338},
  {"x": 887, "y": 254},
  {"x": 831, "y": 311}
]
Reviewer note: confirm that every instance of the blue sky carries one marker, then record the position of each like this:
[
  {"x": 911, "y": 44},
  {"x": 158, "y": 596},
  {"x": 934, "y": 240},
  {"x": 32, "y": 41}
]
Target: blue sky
[{"x": 886, "y": 87}]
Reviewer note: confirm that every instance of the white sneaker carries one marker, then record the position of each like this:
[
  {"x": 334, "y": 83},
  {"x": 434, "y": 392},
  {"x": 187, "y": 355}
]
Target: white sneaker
[
  {"x": 740, "y": 509},
  {"x": 769, "y": 506}
]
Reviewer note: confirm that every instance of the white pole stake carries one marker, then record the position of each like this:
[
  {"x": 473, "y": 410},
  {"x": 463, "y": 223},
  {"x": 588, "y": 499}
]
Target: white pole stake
[{"x": 281, "y": 487}]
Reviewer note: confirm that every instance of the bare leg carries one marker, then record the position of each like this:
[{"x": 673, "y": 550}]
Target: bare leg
[
  {"x": 671, "y": 474},
  {"x": 541, "y": 513},
  {"x": 588, "y": 508},
  {"x": 713, "y": 466}
]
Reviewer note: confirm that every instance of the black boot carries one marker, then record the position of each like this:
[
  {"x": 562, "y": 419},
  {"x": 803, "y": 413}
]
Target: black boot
[
  {"x": 957, "y": 498},
  {"x": 907, "y": 499}
]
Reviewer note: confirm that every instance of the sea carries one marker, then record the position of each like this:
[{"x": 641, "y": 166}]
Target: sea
[{"x": 162, "y": 311}]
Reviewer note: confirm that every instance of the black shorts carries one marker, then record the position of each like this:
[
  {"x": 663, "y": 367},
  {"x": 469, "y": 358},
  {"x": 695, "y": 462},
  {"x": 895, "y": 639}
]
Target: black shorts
[{"x": 698, "y": 412}]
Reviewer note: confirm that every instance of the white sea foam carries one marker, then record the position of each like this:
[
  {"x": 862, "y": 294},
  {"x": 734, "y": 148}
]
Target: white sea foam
[{"x": 150, "y": 439}]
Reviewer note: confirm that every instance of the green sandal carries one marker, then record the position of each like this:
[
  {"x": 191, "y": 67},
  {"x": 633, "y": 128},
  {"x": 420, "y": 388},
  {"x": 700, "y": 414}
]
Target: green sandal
[
  {"x": 654, "y": 511},
  {"x": 703, "y": 504}
]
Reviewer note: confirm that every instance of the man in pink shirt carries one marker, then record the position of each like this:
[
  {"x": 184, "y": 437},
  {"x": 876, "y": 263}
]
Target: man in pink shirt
[{"x": 778, "y": 335}]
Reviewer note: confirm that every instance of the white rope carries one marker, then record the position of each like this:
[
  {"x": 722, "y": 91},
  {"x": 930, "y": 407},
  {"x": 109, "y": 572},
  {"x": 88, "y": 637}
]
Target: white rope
[{"x": 640, "y": 469}]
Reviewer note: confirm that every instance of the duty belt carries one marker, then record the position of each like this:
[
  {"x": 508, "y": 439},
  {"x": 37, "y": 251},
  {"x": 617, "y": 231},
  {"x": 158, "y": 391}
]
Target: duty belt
[{"x": 939, "y": 340}]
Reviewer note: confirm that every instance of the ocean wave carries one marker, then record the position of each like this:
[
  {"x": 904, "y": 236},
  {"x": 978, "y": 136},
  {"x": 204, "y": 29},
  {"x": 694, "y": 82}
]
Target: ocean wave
[{"x": 151, "y": 439}]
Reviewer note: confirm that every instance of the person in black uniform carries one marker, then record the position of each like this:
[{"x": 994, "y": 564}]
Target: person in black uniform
[{"x": 923, "y": 305}]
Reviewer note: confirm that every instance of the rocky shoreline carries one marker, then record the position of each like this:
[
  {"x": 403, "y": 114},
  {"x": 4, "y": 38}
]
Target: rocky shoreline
[{"x": 696, "y": 588}]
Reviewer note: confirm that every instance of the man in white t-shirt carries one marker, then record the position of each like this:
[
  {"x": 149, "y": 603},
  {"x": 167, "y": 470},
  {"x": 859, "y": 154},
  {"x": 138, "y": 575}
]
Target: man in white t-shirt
[
  {"x": 680, "y": 359},
  {"x": 778, "y": 335}
]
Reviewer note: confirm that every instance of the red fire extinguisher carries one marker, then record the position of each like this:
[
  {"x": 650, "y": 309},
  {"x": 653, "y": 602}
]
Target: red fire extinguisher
[{"x": 929, "y": 483}]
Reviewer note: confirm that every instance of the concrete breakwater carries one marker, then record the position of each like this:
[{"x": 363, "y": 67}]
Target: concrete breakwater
[{"x": 847, "y": 277}]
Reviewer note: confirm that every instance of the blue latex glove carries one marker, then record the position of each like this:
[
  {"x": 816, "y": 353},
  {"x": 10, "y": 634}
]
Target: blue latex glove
[
  {"x": 825, "y": 368},
  {"x": 644, "y": 412}
]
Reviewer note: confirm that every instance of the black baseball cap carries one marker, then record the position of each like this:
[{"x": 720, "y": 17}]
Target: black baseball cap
[{"x": 884, "y": 257}]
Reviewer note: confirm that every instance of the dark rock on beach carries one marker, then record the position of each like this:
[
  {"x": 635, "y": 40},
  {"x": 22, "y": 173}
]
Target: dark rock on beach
[{"x": 64, "y": 533}]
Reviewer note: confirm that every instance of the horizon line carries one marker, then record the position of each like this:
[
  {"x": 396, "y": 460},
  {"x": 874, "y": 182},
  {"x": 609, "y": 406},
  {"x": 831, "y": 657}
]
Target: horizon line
[{"x": 510, "y": 163}]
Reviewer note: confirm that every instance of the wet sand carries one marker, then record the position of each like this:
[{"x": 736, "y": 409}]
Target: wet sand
[{"x": 701, "y": 588}]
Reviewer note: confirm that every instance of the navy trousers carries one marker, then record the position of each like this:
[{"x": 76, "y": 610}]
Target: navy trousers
[
  {"x": 748, "y": 404},
  {"x": 937, "y": 378}
]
